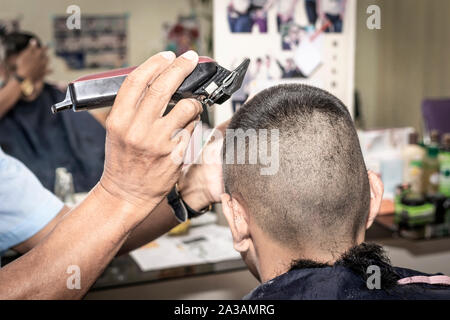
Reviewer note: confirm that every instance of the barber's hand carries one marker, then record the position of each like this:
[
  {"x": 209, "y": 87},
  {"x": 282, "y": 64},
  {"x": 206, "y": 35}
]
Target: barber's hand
[
  {"x": 141, "y": 144},
  {"x": 201, "y": 183},
  {"x": 32, "y": 62}
]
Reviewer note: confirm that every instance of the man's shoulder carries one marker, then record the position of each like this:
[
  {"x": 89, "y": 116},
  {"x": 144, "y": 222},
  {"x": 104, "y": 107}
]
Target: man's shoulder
[
  {"x": 338, "y": 282},
  {"x": 420, "y": 285}
]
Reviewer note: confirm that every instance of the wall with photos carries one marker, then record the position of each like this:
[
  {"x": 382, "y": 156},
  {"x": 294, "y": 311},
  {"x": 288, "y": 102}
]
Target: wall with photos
[
  {"x": 287, "y": 41},
  {"x": 145, "y": 35}
]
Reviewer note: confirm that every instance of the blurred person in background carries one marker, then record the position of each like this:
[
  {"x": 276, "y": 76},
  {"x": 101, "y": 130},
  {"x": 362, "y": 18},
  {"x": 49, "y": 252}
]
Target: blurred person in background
[
  {"x": 332, "y": 11},
  {"x": 239, "y": 16},
  {"x": 311, "y": 12},
  {"x": 30, "y": 132},
  {"x": 290, "y": 70},
  {"x": 259, "y": 15},
  {"x": 285, "y": 11},
  {"x": 291, "y": 36}
]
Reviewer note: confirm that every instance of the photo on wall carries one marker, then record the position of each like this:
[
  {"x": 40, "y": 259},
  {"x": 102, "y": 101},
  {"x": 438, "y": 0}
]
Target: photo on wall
[
  {"x": 332, "y": 13},
  {"x": 182, "y": 35},
  {"x": 246, "y": 15},
  {"x": 100, "y": 43},
  {"x": 318, "y": 13},
  {"x": 302, "y": 41}
]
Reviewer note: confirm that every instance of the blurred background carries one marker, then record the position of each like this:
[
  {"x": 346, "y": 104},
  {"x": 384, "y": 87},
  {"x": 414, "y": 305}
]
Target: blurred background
[{"x": 388, "y": 64}]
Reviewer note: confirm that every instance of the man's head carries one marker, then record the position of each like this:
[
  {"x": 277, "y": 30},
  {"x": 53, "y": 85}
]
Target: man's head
[
  {"x": 15, "y": 46},
  {"x": 319, "y": 200},
  {"x": 16, "y": 42}
]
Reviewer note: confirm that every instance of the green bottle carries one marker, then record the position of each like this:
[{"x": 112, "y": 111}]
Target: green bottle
[{"x": 444, "y": 166}]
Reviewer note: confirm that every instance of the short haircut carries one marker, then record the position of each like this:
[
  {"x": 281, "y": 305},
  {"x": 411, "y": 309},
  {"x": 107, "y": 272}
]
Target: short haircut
[{"x": 320, "y": 195}]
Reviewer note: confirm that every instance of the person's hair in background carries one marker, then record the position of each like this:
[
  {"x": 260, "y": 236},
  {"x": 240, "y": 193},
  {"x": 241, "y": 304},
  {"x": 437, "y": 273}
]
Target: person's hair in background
[
  {"x": 26, "y": 60},
  {"x": 15, "y": 42}
]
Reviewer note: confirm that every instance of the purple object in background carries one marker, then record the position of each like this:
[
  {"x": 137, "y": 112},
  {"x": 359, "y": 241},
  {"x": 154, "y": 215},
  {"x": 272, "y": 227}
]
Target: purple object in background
[{"x": 436, "y": 115}]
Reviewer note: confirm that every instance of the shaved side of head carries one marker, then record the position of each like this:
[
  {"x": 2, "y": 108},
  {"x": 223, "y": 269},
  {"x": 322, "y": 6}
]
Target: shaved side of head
[{"x": 320, "y": 195}]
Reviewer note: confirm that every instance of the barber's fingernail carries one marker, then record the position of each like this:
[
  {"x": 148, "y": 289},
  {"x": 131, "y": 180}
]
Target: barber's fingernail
[
  {"x": 371, "y": 194},
  {"x": 169, "y": 55},
  {"x": 190, "y": 55},
  {"x": 33, "y": 42}
]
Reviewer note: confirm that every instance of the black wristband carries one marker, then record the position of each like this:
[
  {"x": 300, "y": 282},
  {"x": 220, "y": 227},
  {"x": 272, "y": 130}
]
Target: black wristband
[
  {"x": 193, "y": 213},
  {"x": 180, "y": 208}
]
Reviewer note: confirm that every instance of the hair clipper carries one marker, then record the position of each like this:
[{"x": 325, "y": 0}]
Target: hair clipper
[{"x": 209, "y": 82}]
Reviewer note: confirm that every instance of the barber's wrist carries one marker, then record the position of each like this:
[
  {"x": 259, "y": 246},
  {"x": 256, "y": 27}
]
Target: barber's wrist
[
  {"x": 127, "y": 213},
  {"x": 193, "y": 189}
]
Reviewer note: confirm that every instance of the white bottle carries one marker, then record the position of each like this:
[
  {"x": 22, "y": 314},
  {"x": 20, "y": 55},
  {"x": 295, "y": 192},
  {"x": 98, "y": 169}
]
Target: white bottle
[{"x": 413, "y": 155}]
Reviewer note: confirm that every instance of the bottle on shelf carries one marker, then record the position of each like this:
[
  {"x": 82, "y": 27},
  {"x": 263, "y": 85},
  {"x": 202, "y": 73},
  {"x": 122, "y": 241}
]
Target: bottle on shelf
[
  {"x": 413, "y": 155},
  {"x": 430, "y": 180},
  {"x": 444, "y": 166}
]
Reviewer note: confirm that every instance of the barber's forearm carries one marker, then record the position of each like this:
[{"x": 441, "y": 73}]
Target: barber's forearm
[
  {"x": 87, "y": 238},
  {"x": 159, "y": 221},
  {"x": 9, "y": 95},
  {"x": 33, "y": 241}
]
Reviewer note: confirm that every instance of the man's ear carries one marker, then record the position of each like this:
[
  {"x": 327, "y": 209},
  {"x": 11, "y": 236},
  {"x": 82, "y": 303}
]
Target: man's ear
[
  {"x": 376, "y": 195},
  {"x": 238, "y": 221}
]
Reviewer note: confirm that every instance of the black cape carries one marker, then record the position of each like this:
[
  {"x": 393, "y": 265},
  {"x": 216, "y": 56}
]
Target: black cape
[
  {"x": 347, "y": 280},
  {"x": 44, "y": 141}
]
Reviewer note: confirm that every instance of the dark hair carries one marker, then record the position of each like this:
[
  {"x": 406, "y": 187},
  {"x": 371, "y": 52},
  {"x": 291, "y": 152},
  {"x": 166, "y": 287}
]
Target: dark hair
[
  {"x": 320, "y": 194},
  {"x": 16, "y": 42}
]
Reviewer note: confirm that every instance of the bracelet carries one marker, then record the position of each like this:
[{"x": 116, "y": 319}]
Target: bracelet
[
  {"x": 181, "y": 209},
  {"x": 191, "y": 212}
]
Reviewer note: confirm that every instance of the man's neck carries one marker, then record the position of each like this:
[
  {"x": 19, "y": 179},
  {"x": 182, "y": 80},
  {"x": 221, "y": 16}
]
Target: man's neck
[{"x": 275, "y": 259}]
